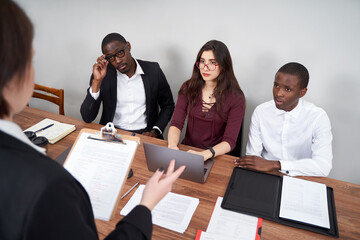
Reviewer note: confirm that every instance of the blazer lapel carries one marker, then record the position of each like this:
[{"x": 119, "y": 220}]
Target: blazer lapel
[
  {"x": 146, "y": 82},
  {"x": 113, "y": 90}
]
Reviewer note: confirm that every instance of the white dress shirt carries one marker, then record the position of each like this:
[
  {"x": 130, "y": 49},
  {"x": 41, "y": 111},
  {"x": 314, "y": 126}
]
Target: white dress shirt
[
  {"x": 299, "y": 139},
  {"x": 15, "y": 131},
  {"x": 131, "y": 101}
]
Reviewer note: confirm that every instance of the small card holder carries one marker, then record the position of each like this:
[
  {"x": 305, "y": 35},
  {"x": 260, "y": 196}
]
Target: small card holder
[{"x": 259, "y": 194}]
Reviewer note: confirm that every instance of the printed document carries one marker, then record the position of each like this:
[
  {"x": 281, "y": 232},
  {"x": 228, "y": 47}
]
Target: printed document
[
  {"x": 173, "y": 212},
  {"x": 101, "y": 167},
  {"x": 304, "y": 201},
  {"x": 231, "y": 225}
]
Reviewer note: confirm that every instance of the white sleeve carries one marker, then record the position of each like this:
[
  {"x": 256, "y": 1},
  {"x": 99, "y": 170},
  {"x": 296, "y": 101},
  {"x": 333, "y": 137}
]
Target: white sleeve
[
  {"x": 255, "y": 144},
  {"x": 321, "y": 162},
  {"x": 94, "y": 95}
]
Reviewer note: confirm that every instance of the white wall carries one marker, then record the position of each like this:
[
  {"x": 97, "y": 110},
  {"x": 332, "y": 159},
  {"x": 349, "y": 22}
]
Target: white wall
[{"x": 262, "y": 35}]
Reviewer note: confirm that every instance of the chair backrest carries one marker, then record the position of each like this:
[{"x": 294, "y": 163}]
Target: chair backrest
[
  {"x": 53, "y": 95},
  {"x": 236, "y": 152}
]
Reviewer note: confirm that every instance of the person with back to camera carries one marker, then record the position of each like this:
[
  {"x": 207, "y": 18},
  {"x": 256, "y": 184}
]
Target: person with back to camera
[
  {"x": 39, "y": 198},
  {"x": 213, "y": 103},
  {"x": 289, "y": 134},
  {"x": 131, "y": 91}
]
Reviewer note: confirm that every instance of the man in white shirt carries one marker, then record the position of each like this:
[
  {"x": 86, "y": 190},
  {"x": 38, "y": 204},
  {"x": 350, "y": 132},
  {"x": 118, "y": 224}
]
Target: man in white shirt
[
  {"x": 289, "y": 134},
  {"x": 131, "y": 90}
]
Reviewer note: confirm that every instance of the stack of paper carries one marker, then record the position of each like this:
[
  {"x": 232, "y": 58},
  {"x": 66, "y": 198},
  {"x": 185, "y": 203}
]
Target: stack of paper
[
  {"x": 102, "y": 168},
  {"x": 173, "y": 212},
  {"x": 226, "y": 224},
  {"x": 304, "y": 201},
  {"x": 53, "y": 133}
]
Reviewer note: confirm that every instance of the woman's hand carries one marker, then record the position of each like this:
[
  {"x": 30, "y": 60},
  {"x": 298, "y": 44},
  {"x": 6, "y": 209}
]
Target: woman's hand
[
  {"x": 206, "y": 153},
  {"x": 159, "y": 185}
]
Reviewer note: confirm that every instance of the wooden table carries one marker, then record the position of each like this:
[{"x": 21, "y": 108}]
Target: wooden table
[{"x": 347, "y": 195}]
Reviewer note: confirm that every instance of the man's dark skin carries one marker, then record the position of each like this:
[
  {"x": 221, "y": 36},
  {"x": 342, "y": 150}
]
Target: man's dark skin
[
  {"x": 286, "y": 92},
  {"x": 125, "y": 65}
]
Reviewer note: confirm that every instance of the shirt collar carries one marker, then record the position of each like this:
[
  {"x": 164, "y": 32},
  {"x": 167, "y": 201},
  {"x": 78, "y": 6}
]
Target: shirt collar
[
  {"x": 293, "y": 113},
  {"x": 15, "y": 131},
  {"x": 138, "y": 71}
]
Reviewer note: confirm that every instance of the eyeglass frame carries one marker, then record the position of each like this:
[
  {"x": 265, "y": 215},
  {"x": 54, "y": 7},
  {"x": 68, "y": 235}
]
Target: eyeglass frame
[
  {"x": 116, "y": 54},
  {"x": 197, "y": 64},
  {"x": 37, "y": 140}
]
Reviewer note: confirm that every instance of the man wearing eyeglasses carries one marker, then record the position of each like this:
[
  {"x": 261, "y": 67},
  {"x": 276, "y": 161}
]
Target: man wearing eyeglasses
[{"x": 131, "y": 90}]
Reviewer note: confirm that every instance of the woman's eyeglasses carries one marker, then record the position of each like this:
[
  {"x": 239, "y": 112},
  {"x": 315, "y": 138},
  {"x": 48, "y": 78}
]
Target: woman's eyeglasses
[
  {"x": 210, "y": 65},
  {"x": 119, "y": 54}
]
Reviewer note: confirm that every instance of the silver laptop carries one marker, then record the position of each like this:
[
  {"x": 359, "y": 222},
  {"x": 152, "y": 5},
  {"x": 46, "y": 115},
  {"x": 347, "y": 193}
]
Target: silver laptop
[{"x": 196, "y": 169}]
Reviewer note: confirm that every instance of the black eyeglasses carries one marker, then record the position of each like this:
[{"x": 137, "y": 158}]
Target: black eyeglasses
[
  {"x": 119, "y": 54},
  {"x": 39, "y": 141},
  {"x": 210, "y": 65}
]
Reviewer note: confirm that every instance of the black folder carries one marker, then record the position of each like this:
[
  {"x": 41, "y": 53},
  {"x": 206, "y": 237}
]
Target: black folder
[{"x": 259, "y": 194}]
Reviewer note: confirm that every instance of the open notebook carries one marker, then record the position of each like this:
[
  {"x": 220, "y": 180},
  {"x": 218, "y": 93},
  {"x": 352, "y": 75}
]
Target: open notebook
[{"x": 54, "y": 133}]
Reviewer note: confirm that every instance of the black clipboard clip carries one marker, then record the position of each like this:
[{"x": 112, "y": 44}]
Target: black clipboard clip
[{"x": 108, "y": 133}]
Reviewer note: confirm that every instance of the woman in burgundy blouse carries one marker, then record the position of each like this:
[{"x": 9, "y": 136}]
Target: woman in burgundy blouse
[{"x": 213, "y": 102}]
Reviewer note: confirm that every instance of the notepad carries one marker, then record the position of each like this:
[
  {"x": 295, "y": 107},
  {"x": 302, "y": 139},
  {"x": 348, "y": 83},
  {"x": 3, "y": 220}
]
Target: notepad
[{"x": 54, "y": 133}]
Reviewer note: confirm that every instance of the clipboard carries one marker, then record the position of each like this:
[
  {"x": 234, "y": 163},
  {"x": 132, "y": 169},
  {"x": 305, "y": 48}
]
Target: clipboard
[
  {"x": 259, "y": 194},
  {"x": 103, "y": 176}
]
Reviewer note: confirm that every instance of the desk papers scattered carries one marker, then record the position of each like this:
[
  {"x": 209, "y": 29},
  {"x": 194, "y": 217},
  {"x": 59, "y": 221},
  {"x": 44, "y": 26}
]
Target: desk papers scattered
[
  {"x": 226, "y": 224},
  {"x": 101, "y": 167},
  {"x": 173, "y": 212},
  {"x": 54, "y": 133},
  {"x": 304, "y": 201}
]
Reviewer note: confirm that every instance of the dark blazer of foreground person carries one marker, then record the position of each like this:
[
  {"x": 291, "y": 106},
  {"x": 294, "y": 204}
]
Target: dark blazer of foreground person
[{"x": 41, "y": 200}]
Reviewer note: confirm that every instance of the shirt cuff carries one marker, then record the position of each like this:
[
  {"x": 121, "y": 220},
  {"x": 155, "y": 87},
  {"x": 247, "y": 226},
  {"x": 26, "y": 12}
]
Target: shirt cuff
[
  {"x": 94, "y": 95},
  {"x": 156, "y": 127},
  {"x": 286, "y": 166}
]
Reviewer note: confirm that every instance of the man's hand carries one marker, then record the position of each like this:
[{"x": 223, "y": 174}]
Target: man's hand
[
  {"x": 257, "y": 163},
  {"x": 152, "y": 133},
  {"x": 99, "y": 72}
]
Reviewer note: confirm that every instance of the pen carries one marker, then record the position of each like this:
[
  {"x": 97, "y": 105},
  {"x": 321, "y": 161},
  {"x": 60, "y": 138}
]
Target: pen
[
  {"x": 129, "y": 190},
  {"x": 41, "y": 129}
]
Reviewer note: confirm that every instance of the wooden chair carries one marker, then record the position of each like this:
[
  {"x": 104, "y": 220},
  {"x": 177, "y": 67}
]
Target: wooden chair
[{"x": 53, "y": 95}]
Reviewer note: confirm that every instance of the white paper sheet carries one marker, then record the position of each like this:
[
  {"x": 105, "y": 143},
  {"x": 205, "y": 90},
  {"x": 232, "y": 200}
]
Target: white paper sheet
[
  {"x": 214, "y": 236},
  {"x": 304, "y": 201},
  {"x": 231, "y": 225},
  {"x": 173, "y": 212},
  {"x": 101, "y": 167}
]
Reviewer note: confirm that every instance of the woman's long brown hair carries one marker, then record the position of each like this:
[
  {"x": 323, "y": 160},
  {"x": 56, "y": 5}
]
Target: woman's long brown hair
[{"x": 226, "y": 81}]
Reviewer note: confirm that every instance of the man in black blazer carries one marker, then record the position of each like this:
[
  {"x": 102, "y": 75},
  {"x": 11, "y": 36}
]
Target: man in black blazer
[{"x": 131, "y": 90}]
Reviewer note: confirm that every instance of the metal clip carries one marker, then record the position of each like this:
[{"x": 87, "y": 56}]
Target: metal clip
[{"x": 108, "y": 133}]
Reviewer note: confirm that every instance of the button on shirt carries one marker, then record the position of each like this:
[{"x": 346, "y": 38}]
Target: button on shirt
[
  {"x": 131, "y": 101},
  {"x": 300, "y": 139}
]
